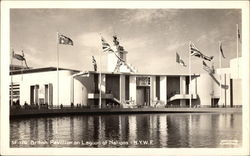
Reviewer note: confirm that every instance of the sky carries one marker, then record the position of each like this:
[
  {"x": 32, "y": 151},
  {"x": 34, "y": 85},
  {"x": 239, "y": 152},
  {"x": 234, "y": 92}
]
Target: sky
[{"x": 151, "y": 36}]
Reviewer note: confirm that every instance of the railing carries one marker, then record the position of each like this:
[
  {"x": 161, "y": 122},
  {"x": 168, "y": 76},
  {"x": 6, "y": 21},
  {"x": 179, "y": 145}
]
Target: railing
[{"x": 36, "y": 107}]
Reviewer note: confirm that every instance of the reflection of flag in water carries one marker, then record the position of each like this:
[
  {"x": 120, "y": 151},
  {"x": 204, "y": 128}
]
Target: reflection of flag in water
[
  {"x": 94, "y": 63},
  {"x": 105, "y": 46},
  {"x": 207, "y": 68},
  {"x": 196, "y": 52},
  {"x": 222, "y": 51},
  {"x": 179, "y": 60},
  {"x": 64, "y": 40}
]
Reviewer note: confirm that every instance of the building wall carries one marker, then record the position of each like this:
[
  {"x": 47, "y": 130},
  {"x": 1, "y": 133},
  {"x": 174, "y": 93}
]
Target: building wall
[
  {"x": 209, "y": 86},
  {"x": 173, "y": 86},
  {"x": 182, "y": 85},
  {"x": 224, "y": 76},
  {"x": 236, "y": 68},
  {"x": 194, "y": 85},
  {"x": 83, "y": 85},
  {"x": 204, "y": 89},
  {"x": 88, "y": 82},
  {"x": 225, "y": 89},
  {"x": 237, "y": 92},
  {"x": 113, "y": 85},
  {"x": 80, "y": 93},
  {"x": 41, "y": 79}
]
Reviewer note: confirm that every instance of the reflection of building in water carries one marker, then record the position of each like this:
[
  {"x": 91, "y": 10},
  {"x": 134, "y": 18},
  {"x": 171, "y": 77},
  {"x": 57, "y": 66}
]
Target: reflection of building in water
[
  {"x": 153, "y": 128},
  {"x": 143, "y": 127},
  {"x": 121, "y": 85},
  {"x": 123, "y": 127},
  {"x": 132, "y": 128},
  {"x": 48, "y": 129},
  {"x": 163, "y": 129},
  {"x": 101, "y": 130},
  {"x": 179, "y": 126}
]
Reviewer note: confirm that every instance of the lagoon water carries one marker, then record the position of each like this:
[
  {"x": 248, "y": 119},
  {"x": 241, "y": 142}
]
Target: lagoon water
[{"x": 184, "y": 130}]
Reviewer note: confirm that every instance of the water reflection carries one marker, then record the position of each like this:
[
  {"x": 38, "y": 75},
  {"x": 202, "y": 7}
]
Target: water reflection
[{"x": 144, "y": 130}]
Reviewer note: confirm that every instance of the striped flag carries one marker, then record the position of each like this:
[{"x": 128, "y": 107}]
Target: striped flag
[
  {"x": 179, "y": 60},
  {"x": 222, "y": 51},
  {"x": 196, "y": 52},
  {"x": 64, "y": 40},
  {"x": 105, "y": 46}
]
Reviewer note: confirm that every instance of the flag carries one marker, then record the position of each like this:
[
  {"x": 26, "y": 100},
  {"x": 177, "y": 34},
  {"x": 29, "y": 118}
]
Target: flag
[
  {"x": 19, "y": 57},
  {"x": 94, "y": 63},
  {"x": 207, "y": 68},
  {"x": 222, "y": 51},
  {"x": 64, "y": 40},
  {"x": 179, "y": 60},
  {"x": 196, "y": 52},
  {"x": 105, "y": 46}
]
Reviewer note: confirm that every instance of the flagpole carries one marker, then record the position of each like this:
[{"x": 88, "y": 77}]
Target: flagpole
[
  {"x": 100, "y": 79},
  {"x": 237, "y": 44},
  {"x": 190, "y": 100},
  {"x": 22, "y": 71},
  {"x": 57, "y": 68},
  {"x": 220, "y": 70},
  {"x": 11, "y": 94}
]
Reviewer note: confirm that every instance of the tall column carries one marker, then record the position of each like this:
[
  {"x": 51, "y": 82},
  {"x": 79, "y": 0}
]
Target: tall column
[
  {"x": 183, "y": 89},
  {"x": 122, "y": 88},
  {"x": 182, "y": 85},
  {"x": 36, "y": 94},
  {"x": 163, "y": 89},
  {"x": 132, "y": 88},
  {"x": 103, "y": 88},
  {"x": 228, "y": 95},
  {"x": 152, "y": 90}
]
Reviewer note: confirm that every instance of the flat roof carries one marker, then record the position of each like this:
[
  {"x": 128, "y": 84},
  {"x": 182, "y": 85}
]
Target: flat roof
[
  {"x": 140, "y": 74},
  {"x": 48, "y": 69},
  {"x": 37, "y": 70}
]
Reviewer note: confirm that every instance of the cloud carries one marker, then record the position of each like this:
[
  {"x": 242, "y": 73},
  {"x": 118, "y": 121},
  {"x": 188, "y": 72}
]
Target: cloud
[
  {"x": 175, "y": 45},
  {"x": 147, "y": 15},
  {"x": 91, "y": 39},
  {"x": 135, "y": 43}
]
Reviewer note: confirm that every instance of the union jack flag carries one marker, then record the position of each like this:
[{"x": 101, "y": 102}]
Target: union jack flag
[
  {"x": 196, "y": 52},
  {"x": 105, "y": 46}
]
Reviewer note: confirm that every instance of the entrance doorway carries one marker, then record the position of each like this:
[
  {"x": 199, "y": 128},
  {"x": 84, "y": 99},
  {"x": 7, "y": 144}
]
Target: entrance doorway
[{"x": 143, "y": 96}]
